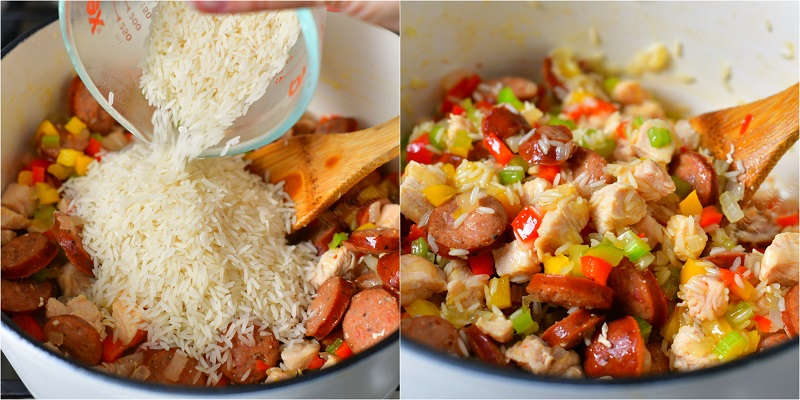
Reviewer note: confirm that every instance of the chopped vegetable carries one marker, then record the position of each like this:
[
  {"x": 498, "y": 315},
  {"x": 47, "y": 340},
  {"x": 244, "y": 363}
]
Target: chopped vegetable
[
  {"x": 670, "y": 329},
  {"x": 337, "y": 240},
  {"x": 343, "y": 351},
  {"x": 481, "y": 264},
  {"x": 82, "y": 164},
  {"x": 45, "y": 213},
  {"x": 637, "y": 122},
  {"x": 608, "y": 252},
  {"x": 518, "y": 161},
  {"x": 510, "y": 175},
  {"x": 419, "y": 247},
  {"x": 368, "y": 225},
  {"x": 418, "y": 150},
  {"x": 644, "y": 328},
  {"x": 51, "y": 141},
  {"x": 692, "y": 268},
  {"x": 731, "y": 346},
  {"x": 497, "y": 148},
  {"x": 439, "y": 194},
  {"x": 659, "y": 137},
  {"x": 67, "y": 157},
  {"x": 610, "y": 83},
  {"x": 556, "y": 265},
  {"x": 316, "y": 363},
  {"x": 730, "y": 206},
  {"x": 710, "y": 216},
  {"x": 334, "y": 346},
  {"x": 261, "y": 365},
  {"x": 548, "y": 172},
  {"x": 526, "y": 224},
  {"x": 753, "y": 338},
  {"x": 691, "y": 204},
  {"x": 421, "y": 307},
  {"x": 506, "y": 96},
  {"x": 682, "y": 188},
  {"x": 763, "y": 323},
  {"x": 462, "y": 89},
  {"x": 522, "y": 321},
  {"x": 94, "y": 147},
  {"x": 598, "y": 142},
  {"x": 589, "y": 107},
  {"x": 113, "y": 349},
  {"x": 462, "y": 144},
  {"x": 559, "y": 121},
  {"x": 46, "y": 193},
  {"x": 499, "y": 293},
  {"x": 46, "y": 128},
  {"x": 25, "y": 178},
  {"x": 457, "y": 110},
  {"x": 37, "y": 174},
  {"x": 740, "y": 286},
  {"x": 740, "y": 314},
  {"x": 635, "y": 247},
  {"x": 788, "y": 220},
  {"x": 595, "y": 268},
  {"x": 75, "y": 126},
  {"x": 59, "y": 171},
  {"x": 29, "y": 325}
]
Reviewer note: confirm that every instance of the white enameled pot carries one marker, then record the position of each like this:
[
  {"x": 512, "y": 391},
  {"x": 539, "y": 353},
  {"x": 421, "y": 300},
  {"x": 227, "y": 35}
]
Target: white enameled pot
[
  {"x": 359, "y": 77},
  {"x": 758, "y": 40}
]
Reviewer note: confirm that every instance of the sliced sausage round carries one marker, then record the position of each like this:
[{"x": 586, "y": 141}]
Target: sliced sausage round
[
  {"x": 659, "y": 361},
  {"x": 85, "y": 107},
  {"x": 321, "y": 231},
  {"x": 726, "y": 258},
  {"x": 25, "y": 295},
  {"x": 70, "y": 242},
  {"x": 483, "y": 346},
  {"x": 389, "y": 271},
  {"x": 570, "y": 331},
  {"x": 569, "y": 291},
  {"x": 337, "y": 124},
  {"x": 588, "y": 168},
  {"x": 374, "y": 241},
  {"x": 242, "y": 365},
  {"x": 373, "y": 315},
  {"x": 627, "y": 356},
  {"x": 327, "y": 309},
  {"x": 504, "y": 123},
  {"x": 432, "y": 331},
  {"x": 637, "y": 293},
  {"x": 171, "y": 367},
  {"x": 790, "y": 314},
  {"x": 550, "y": 77},
  {"x": 550, "y": 145},
  {"x": 692, "y": 167},
  {"x": 25, "y": 255},
  {"x": 475, "y": 231},
  {"x": 76, "y": 337}
]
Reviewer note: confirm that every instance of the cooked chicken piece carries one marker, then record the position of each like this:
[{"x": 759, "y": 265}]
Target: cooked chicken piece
[
  {"x": 127, "y": 319},
  {"x": 415, "y": 179},
  {"x": 115, "y": 140},
  {"x": 755, "y": 227},
  {"x": 297, "y": 355},
  {"x": 615, "y": 207},
  {"x": 653, "y": 231},
  {"x": 13, "y": 220},
  {"x": 651, "y": 180},
  {"x": 78, "y": 306},
  {"x": 687, "y": 237},
  {"x": 276, "y": 374},
  {"x": 390, "y": 216},
  {"x": 497, "y": 326},
  {"x": 20, "y": 198},
  {"x": 624, "y": 151},
  {"x": 532, "y": 188},
  {"x": 692, "y": 350},
  {"x": 565, "y": 215},
  {"x": 663, "y": 209},
  {"x": 629, "y": 92},
  {"x": 704, "y": 296},
  {"x": 643, "y": 148},
  {"x": 780, "y": 262},
  {"x": 534, "y": 355},
  {"x": 335, "y": 262},
  {"x": 688, "y": 136},
  {"x": 647, "y": 109},
  {"x": 516, "y": 260},
  {"x": 7, "y": 235},
  {"x": 72, "y": 281},
  {"x": 420, "y": 279},
  {"x": 464, "y": 287}
]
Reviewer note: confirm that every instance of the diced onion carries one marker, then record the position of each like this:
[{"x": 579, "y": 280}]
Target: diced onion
[
  {"x": 175, "y": 366},
  {"x": 730, "y": 207}
]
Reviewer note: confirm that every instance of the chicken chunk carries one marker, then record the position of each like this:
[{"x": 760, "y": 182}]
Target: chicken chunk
[
  {"x": 463, "y": 287},
  {"x": 704, "y": 296},
  {"x": 297, "y": 355},
  {"x": 688, "y": 136},
  {"x": 415, "y": 179},
  {"x": 565, "y": 215},
  {"x": 13, "y": 220},
  {"x": 532, "y": 188},
  {"x": 390, "y": 216},
  {"x": 647, "y": 109},
  {"x": 692, "y": 350},
  {"x": 651, "y": 180},
  {"x": 276, "y": 374},
  {"x": 780, "y": 262},
  {"x": 643, "y": 148},
  {"x": 72, "y": 281},
  {"x": 78, "y": 306},
  {"x": 687, "y": 236},
  {"x": 20, "y": 198},
  {"x": 127, "y": 319},
  {"x": 629, "y": 92},
  {"x": 516, "y": 260},
  {"x": 7, "y": 235},
  {"x": 615, "y": 207},
  {"x": 653, "y": 231},
  {"x": 420, "y": 279},
  {"x": 534, "y": 355},
  {"x": 334, "y": 262},
  {"x": 497, "y": 326}
]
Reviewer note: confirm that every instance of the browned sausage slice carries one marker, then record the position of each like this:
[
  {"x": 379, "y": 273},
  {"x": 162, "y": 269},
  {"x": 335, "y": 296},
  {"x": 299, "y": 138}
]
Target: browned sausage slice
[
  {"x": 171, "y": 367},
  {"x": 25, "y": 295},
  {"x": 389, "y": 271},
  {"x": 321, "y": 231},
  {"x": 570, "y": 331},
  {"x": 626, "y": 358},
  {"x": 475, "y": 231},
  {"x": 638, "y": 293},
  {"x": 432, "y": 331},
  {"x": 790, "y": 314},
  {"x": 568, "y": 291},
  {"x": 693, "y": 168},
  {"x": 588, "y": 168},
  {"x": 659, "y": 361},
  {"x": 25, "y": 255},
  {"x": 85, "y": 107},
  {"x": 67, "y": 237},
  {"x": 557, "y": 150},
  {"x": 373, "y": 315},
  {"x": 76, "y": 337},
  {"x": 504, "y": 123},
  {"x": 550, "y": 77},
  {"x": 337, "y": 124},
  {"x": 483, "y": 346},
  {"x": 327, "y": 309},
  {"x": 368, "y": 280},
  {"x": 726, "y": 258},
  {"x": 242, "y": 365},
  {"x": 374, "y": 241}
]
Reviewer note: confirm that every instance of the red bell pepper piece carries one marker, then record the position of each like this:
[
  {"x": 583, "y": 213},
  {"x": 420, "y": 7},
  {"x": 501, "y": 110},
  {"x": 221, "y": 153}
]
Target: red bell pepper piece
[
  {"x": 261, "y": 365},
  {"x": 94, "y": 147},
  {"x": 316, "y": 363},
  {"x": 497, "y": 148},
  {"x": 29, "y": 325},
  {"x": 418, "y": 150},
  {"x": 788, "y": 220},
  {"x": 620, "y": 131},
  {"x": 549, "y": 172},
  {"x": 483, "y": 105},
  {"x": 38, "y": 174},
  {"x": 763, "y": 323},
  {"x": 590, "y": 107},
  {"x": 481, "y": 264},
  {"x": 526, "y": 224},
  {"x": 113, "y": 349},
  {"x": 710, "y": 216},
  {"x": 38, "y": 162},
  {"x": 457, "y": 109},
  {"x": 461, "y": 90},
  {"x": 343, "y": 351},
  {"x": 595, "y": 268}
]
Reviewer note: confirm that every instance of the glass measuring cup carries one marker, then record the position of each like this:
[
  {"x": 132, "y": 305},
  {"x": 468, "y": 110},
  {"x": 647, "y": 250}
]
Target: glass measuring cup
[{"x": 105, "y": 41}]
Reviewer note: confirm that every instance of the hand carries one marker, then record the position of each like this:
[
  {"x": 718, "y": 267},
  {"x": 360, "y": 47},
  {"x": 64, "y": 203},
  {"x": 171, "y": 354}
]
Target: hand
[{"x": 383, "y": 13}]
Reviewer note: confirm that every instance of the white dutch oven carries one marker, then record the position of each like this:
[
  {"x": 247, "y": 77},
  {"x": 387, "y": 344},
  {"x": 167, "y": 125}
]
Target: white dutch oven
[
  {"x": 359, "y": 77},
  {"x": 499, "y": 39}
]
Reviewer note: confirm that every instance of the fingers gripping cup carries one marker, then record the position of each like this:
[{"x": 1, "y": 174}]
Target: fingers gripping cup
[{"x": 106, "y": 42}]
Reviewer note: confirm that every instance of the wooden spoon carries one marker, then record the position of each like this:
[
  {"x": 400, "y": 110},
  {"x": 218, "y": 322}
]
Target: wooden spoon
[
  {"x": 318, "y": 169},
  {"x": 772, "y": 129}
]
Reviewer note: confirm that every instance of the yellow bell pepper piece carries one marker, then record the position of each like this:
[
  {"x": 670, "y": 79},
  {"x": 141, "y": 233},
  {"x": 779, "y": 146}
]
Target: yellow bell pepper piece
[
  {"x": 46, "y": 193},
  {"x": 556, "y": 265},
  {"x": 450, "y": 171},
  {"x": 692, "y": 268},
  {"x": 745, "y": 292},
  {"x": 420, "y": 307},
  {"x": 691, "y": 204},
  {"x": 462, "y": 144},
  {"x": 75, "y": 126},
  {"x": 67, "y": 157},
  {"x": 46, "y": 128},
  {"x": 716, "y": 328},
  {"x": 370, "y": 193},
  {"x": 670, "y": 329},
  {"x": 439, "y": 194},
  {"x": 368, "y": 225},
  {"x": 499, "y": 293},
  {"x": 59, "y": 171},
  {"x": 25, "y": 178},
  {"x": 753, "y": 338},
  {"x": 82, "y": 164}
]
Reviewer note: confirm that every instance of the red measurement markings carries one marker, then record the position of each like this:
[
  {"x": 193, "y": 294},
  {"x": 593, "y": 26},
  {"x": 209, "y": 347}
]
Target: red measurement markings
[
  {"x": 95, "y": 14},
  {"x": 297, "y": 82}
]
